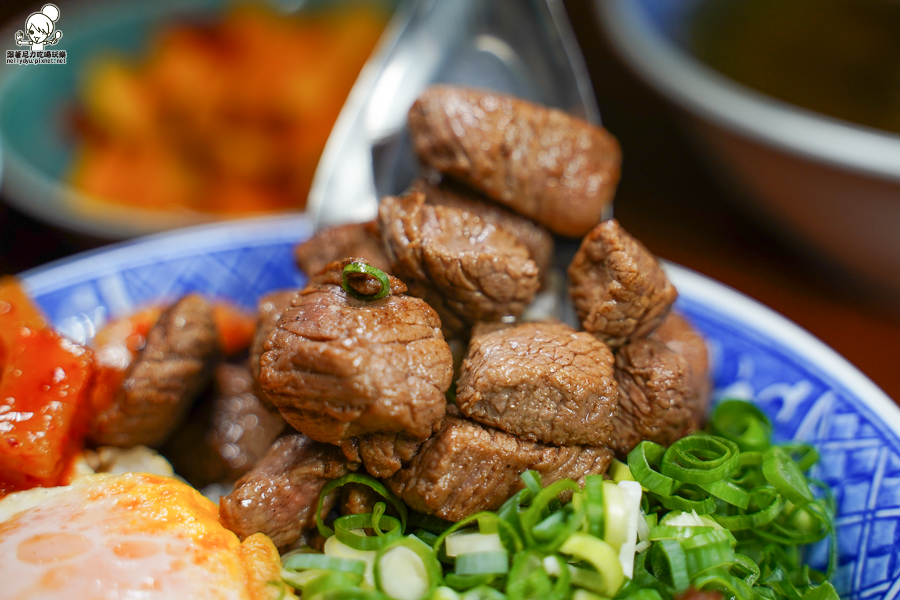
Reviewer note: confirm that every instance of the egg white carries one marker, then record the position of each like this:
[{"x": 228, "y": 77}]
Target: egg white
[{"x": 131, "y": 536}]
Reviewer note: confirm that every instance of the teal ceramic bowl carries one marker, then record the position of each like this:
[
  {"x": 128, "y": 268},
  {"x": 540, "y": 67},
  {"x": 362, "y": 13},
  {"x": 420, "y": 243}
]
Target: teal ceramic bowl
[{"x": 36, "y": 104}]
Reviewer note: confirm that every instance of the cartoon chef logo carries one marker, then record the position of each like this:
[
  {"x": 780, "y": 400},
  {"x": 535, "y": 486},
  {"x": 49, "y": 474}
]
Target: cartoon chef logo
[
  {"x": 40, "y": 33},
  {"x": 39, "y": 29}
]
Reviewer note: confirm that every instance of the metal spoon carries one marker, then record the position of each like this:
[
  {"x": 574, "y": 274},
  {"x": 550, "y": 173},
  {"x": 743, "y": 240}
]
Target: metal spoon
[{"x": 525, "y": 48}]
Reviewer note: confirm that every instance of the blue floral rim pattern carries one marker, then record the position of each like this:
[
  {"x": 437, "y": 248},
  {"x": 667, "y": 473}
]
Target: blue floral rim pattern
[{"x": 809, "y": 391}]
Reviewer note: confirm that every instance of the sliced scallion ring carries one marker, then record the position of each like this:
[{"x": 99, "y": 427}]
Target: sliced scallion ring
[
  {"x": 366, "y": 480},
  {"x": 601, "y": 556},
  {"x": 644, "y": 461},
  {"x": 785, "y": 476},
  {"x": 361, "y": 267},
  {"x": 700, "y": 459},
  {"x": 301, "y": 562}
]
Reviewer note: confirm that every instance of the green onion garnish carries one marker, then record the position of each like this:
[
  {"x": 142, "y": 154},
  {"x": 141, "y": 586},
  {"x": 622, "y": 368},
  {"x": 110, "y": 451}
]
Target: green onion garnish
[
  {"x": 727, "y": 511},
  {"x": 361, "y": 267}
]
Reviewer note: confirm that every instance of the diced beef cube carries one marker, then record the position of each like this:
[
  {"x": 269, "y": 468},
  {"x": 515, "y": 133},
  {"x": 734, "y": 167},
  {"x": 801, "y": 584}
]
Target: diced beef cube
[
  {"x": 543, "y": 382},
  {"x": 335, "y": 243},
  {"x": 278, "y": 496},
  {"x": 382, "y": 454},
  {"x": 227, "y": 432},
  {"x": 656, "y": 402},
  {"x": 619, "y": 289},
  {"x": 543, "y": 163},
  {"x": 681, "y": 338},
  {"x": 338, "y": 367},
  {"x": 172, "y": 369},
  {"x": 271, "y": 307},
  {"x": 481, "y": 272},
  {"x": 466, "y": 468},
  {"x": 451, "y": 193}
]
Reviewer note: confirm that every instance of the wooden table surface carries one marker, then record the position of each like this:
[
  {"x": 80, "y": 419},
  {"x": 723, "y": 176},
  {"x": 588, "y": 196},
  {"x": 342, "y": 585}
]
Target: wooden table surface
[{"x": 666, "y": 198}]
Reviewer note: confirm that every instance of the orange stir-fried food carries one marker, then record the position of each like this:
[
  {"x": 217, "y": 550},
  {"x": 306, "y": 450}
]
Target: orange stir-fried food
[
  {"x": 44, "y": 382},
  {"x": 226, "y": 118}
]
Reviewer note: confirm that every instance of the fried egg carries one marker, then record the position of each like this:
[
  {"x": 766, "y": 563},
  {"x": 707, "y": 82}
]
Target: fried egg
[{"x": 132, "y": 536}]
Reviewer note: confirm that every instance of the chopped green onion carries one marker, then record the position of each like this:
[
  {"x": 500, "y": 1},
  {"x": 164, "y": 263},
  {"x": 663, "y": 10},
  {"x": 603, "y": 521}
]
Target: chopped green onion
[
  {"x": 407, "y": 569},
  {"x": 361, "y": 267},
  {"x": 298, "y": 562},
  {"x": 669, "y": 565},
  {"x": 593, "y": 504},
  {"x": 619, "y": 471},
  {"x": 681, "y": 504},
  {"x": 700, "y": 459},
  {"x": 495, "y": 562},
  {"x": 644, "y": 462},
  {"x": 601, "y": 556},
  {"x": 371, "y": 482},
  {"x": 742, "y": 423},
  {"x": 727, "y": 491},
  {"x": 669, "y": 532},
  {"x": 785, "y": 476},
  {"x": 689, "y": 498},
  {"x": 345, "y": 530}
]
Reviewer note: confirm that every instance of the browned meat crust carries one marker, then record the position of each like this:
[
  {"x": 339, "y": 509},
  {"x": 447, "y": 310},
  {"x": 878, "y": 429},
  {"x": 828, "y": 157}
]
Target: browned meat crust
[
  {"x": 271, "y": 307},
  {"x": 543, "y": 382},
  {"x": 278, "y": 497},
  {"x": 450, "y": 193},
  {"x": 481, "y": 272},
  {"x": 465, "y": 468},
  {"x": 542, "y": 163},
  {"x": 226, "y": 434},
  {"x": 619, "y": 290},
  {"x": 171, "y": 370},
  {"x": 353, "y": 239},
  {"x": 681, "y": 338},
  {"x": 656, "y": 402},
  {"x": 338, "y": 368}
]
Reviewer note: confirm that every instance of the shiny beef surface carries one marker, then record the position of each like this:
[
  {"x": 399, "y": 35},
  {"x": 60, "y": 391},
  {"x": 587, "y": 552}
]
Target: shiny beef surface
[{"x": 540, "y": 162}]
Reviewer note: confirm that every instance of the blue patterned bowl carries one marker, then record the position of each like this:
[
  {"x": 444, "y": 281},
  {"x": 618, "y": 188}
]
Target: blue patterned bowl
[{"x": 809, "y": 391}]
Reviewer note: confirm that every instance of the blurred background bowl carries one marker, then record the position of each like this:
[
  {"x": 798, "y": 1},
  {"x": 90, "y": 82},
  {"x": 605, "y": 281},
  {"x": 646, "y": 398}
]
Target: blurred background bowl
[
  {"x": 44, "y": 108},
  {"x": 829, "y": 185}
]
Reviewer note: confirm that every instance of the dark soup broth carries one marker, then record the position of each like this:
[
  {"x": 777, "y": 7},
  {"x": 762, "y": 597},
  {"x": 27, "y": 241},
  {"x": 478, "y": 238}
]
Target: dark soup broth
[{"x": 837, "y": 57}]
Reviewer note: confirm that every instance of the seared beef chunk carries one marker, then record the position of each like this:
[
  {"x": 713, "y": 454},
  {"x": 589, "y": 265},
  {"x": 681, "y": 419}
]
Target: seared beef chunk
[
  {"x": 482, "y": 272},
  {"x": 358, "y": 499},
  {"x": 326, "y": 246},
  {"x": 656, "y": 402},
  {"x": 678, "y": 335},
  {"x": 382, "y": 454},
  {"x": 450, "y": 193},
  {"x": 338, "y": 367},
  {"x": 619, "y": 290},
  {"x": 242, "y": 428},
  {"x": 226, "y": 433},
  {"x": 543, "y": 382},
  {"x": 278, "y": 497},
  {"x": 271, "y": 307},
  {"x": 171, "y": 370},
  {"x": 465, "y": 468},
  {"x": 544, "y": 164}
]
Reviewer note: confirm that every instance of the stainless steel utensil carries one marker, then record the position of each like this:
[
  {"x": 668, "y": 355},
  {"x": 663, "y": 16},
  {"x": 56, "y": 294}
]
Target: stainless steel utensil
[{"x": 521, "y": 47}]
